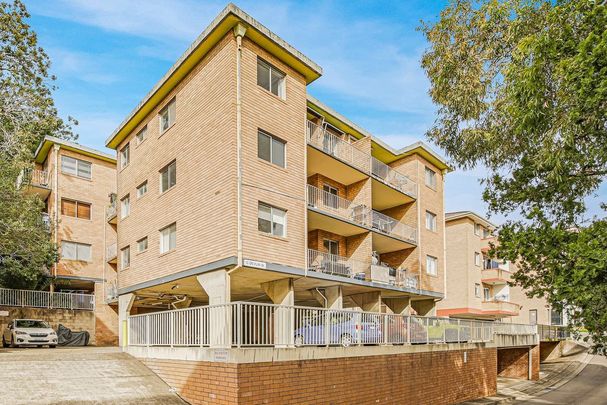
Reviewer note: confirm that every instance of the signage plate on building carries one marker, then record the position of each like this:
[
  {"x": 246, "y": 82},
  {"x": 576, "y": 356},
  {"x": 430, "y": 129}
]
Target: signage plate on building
[
  {"x": 255, "y": 263},
  {"x": 3, "y": 313},
  {"x": 220, "y": 355}
]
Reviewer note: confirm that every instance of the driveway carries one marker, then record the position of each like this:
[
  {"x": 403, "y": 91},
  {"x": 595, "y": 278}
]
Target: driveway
[
  {"x": 87, "y": 375},
  {"x": 588, "y": 388}
]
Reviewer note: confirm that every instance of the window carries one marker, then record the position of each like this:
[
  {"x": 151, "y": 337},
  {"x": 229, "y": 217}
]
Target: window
[
  {"x": 125, "y": 156},
  {"x": 556, "y": 317},
  {"x": 329, "y": 196},
  {"x": 430, "y": 221},
  {"x": 141, "y": 135},
  {"x": 167, "y": 116},
  {"x": 168, "y": 176},
  {"x": 168, "y": 238},
  {"x": 431, "y": 265},
  {"x": 271, "y": 149},
  {"x": 477, "y": 290},
  {"x": 270, "y": 78},
  {"x": 75, "y": 251},
  {"x": 125, "y": 207},
  {"x": 478, "y": 229},
  {"x": 271, "y": 220},
  {"x": 142, "y": 245},
  {"x": 486, "y": 233},
  {"x": 533, "y": 316},
  {"x": 487, "y": 294},
  {"x": 76, "y": 167},
  {"x": 331, "y": 246},
  {"x": 477, "y": 259},
  {"x": 430, "y": 178},
  {"x": 76, "y": 209},
  {"x": 125, "y": 257},
  {"x": 142, "y": 189}
]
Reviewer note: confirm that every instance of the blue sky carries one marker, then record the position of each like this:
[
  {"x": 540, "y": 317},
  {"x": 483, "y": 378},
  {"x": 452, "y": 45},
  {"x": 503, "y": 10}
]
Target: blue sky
[{"x": 107, "y": 54}]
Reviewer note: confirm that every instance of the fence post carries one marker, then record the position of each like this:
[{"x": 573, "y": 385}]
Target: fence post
[
  {"x": 427, "y": 331},
  {"x": 385, "y": 328},
  {"x": 171, "y": 328},
  {"x": 239, "y": 324},
  {"x": 459, "y": 339},
  {"x": 147, "y": 331},
  {"x": 409, "y": 329}
]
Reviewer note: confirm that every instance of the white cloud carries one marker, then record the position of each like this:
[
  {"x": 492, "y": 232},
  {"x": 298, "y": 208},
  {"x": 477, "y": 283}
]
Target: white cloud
[{"x": 82, "y": 66}]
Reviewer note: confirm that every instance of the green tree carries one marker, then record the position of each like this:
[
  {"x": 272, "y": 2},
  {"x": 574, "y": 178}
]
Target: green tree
[
  {"x": 27, "y": 114},
  {"x": 521, "y": 89}
]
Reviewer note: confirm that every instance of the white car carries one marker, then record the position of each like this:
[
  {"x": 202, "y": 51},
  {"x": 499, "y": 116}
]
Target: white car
[{"x": 29, "y": 332}]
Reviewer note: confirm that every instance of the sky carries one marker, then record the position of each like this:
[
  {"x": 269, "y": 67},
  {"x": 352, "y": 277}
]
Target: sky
[{"x": 107, "y": 55}]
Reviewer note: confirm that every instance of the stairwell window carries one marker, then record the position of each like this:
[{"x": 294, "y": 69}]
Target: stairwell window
[
  {"x": 167, "y": 116},
  {"x": 270, "y": 78},
  {"x": 141, "y": 135},
  {"x": 271, "y": 220},
  {"x": 75, "y": 251},
  {"x": 125, "y": 206},
  {"x": 168, "y": 238},
  {"x": 430, "y": 178},
  {"x": 168, "y": 176},
  {"x": 125, "y": 257},
  {"x": 431, "y": 265},
  {"x": 271, "y": 149},
  {"x": 125, "y": 156},
  {"x": 430, "y": 221},
  {"x": 76, "y": 167},
  {"x": 477, "y": 259}
]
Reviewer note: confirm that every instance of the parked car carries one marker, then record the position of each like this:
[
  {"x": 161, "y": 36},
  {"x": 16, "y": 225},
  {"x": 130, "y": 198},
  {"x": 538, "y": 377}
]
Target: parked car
[
  {"x": 344, "y": 328},
  {"x": 29, "y": 332}
]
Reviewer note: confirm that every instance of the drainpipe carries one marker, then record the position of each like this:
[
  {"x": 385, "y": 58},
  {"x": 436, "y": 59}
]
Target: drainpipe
[
  {"x": 239, "y": 31},
  {"x": 56, "y": 186},
  {"x": 444, "y": 242}
]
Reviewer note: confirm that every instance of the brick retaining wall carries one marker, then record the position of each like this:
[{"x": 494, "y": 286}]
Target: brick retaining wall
[{"x": 514, "y": 363}]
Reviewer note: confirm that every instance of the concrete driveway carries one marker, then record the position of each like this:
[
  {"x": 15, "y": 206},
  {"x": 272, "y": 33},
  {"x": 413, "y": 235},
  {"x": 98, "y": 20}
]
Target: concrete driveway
[{"x": 87, "y": 375}]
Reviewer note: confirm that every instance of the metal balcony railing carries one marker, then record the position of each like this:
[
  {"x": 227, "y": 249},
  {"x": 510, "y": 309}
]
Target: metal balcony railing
[
  {"x": 333, "y": 145},
  {"x": 45, "y": 299},
  {"x": 553, "y": 332},
  {"x": 34, "y": 177},
  {"x": 110, "y": 211},
  {"x": 338, "y": 265},
  {"x": 393, "y": 178},
  {"x": 392, "y": 227},
  {"x": 111, "y": 252},
  {"x": 337, "y": 206}
]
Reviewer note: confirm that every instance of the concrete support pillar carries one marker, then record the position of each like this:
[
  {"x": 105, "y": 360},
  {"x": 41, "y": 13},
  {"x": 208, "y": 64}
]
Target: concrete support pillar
[
  {"x": 399, "y": 305},
  {"x": 424, "y": 307},
  {"x": 368, "y": 302},
  {"x": 281, "y": 292},
  {"x": 125, "y": 303},
  {"x": 216, "y": 284},
  {"x": 330, "y": 297}
]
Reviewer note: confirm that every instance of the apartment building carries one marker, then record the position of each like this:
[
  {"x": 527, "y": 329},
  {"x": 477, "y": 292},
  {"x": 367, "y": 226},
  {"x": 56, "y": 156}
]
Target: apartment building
[
  {"x": 478, "y": 283},
  {"x": 75, "y": 181}
]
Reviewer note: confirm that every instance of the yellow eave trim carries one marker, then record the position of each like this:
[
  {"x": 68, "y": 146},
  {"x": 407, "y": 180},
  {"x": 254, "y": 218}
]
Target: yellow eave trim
[{"x": 46, "y": 146}]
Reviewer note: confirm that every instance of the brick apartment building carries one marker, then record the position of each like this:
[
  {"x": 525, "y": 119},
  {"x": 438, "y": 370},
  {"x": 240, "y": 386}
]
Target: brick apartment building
[{"x": 75, "y": 181}]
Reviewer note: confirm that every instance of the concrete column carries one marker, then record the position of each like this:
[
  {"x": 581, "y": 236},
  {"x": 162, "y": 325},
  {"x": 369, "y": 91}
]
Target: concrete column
[
  {"x": 281, "y": 292},
  {"x": 369, "y": 302},
  {"x": 125, "y": 303},
  {"x": 399, "y": 305},
  {"x": 330, "y": 297},
  {"x": 216, "y": 284}
]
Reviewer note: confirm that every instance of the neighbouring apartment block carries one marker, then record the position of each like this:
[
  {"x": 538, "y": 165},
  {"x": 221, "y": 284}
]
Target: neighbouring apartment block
[{"x": 75, "y": 181}]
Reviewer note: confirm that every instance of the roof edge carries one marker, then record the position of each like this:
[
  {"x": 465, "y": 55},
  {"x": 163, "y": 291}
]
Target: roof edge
[
  {"x": 452, "y": 216},
  {"x": 42, "y": 150}
]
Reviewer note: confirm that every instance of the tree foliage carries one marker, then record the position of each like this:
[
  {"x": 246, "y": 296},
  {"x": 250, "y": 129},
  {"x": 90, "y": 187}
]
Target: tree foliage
[
  {"x": 27, "y": 114},
  {"x": 521, "y": 89}
]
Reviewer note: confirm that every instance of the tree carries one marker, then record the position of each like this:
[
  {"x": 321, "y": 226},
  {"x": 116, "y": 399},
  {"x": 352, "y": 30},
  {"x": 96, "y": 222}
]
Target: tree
[
  {"x": 521, "y": 89},
  {"x": 27, "y": 114}
]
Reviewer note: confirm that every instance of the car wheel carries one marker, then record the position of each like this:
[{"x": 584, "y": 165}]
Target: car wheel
[
  {"x": 345, "y": 340},
  {"x": 52, "y": 346},
  {"x": 13, "y": 345},
  {"x": 4, "y": 344},
  {"x": 38, "y": 346},
  {"x": 299, "y": 340}
]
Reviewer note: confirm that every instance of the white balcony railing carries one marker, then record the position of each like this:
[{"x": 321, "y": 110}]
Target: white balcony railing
[
  {"x": 111, "y": 292},
  {"x": 392, "y": 227},
  {"x": 553, "y": 332},
  {"x": 35, "y": 177},
  {"x": 45, "y": 299},
  {"x": 393, "y": 178},
  {"x": 110, "y": 211},
  {"x": 333, "y": 145},
  {"x": 338, "y": 206},
  {"x": 247, "y": 324},
  {"x": 338, "y": 265}
]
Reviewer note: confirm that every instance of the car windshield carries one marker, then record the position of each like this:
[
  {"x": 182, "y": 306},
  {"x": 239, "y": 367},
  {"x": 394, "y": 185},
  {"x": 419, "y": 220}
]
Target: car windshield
[{"x": 27, "y": 323}]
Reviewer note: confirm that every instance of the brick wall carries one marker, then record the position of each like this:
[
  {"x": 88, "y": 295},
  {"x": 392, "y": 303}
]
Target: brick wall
[
  {"x": 514, "y": 363},
  {"x": 439, "y": 377},
  {"x": 75, "y": 320}
]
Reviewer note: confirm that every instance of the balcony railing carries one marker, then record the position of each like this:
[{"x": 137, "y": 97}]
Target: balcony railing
[
  {"x": 111, "y": 292},
  {"x": 111, "y": 252},
  {"x": 338, "y": 206},
  {"x": 553, "y": 332},
  {"x": 45, "y": 299},
  {"x": 333, "y": 145},
  {"x": 338, "y": 265},
  {"x": 110, "y": 212},
  {"x": 495, "y": 274},
  {"x": 514, "y": 329},
  {"x": 46, "y": 221},
  {"x": 247, "y": 324},
  {"x": 392, "y": 227},
  {"x": 497, "y": 305},
  {"x": 393, "y": 178},
  {"x": 34, "y": 177}
]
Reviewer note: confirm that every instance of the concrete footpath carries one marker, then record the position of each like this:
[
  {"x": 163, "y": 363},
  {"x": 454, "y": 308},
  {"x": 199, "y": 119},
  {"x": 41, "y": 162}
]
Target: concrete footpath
[{"x": 87, "y": 375}]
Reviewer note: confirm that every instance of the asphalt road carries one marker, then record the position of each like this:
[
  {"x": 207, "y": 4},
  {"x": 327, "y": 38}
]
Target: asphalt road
[{"x": 587, "y": 388}]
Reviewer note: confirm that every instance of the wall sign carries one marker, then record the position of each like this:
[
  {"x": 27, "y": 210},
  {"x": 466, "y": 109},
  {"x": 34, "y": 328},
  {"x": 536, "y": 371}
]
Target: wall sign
[{"x": 254, "y": 263}]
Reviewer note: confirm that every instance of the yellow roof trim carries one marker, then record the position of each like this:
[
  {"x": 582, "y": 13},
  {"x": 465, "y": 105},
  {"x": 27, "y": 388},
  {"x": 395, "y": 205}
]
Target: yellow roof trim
[
  {"x": 49, "y": 141},
  {"x": 223, "y": 23}
]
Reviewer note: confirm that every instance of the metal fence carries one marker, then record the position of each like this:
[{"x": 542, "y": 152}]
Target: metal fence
[
  {"x": 388, "y": 175},
  {"x": 338, "y": 265},
  {"x": 553, "y": 332},
  {"x": 393, "y": 227},
  {"x": 45, "y": 299},
  {"x": 245, "y": 324}
]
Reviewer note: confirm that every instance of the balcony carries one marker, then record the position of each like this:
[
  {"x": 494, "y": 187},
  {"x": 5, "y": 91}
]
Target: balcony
[
  {"x": 112, "y": 253},
  {"x": 495, "y": 276},
  {"x": 34, "y": 181},
  {"x": 46, "y": 221},
  {"x": 391, "y": 177},
  {"x": 335, "y": 214},
  {"x": 336, "y": 265},
  {"x": 110, "y": 213},
  {"x": 500, "y": 307}
]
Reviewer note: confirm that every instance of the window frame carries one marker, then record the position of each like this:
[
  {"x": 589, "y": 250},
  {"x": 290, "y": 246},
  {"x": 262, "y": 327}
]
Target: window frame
[
  {"x": 126, "y": 198},
  {"x": 433, "y": 221},
  {"x": 76, "y": 245},
  {"x": 77, "y": 172},
  {"x": 478, "y": 229},
  {"x": 272, "y": 208},
  {"x": 161, "y": 244},
  {"x": 140, "y": 187},
  {"x": 433, "y": 259},
  {"x": 78, "y": 203},
  {"x": 477, "y": 290},
  {"x": 144, "y": 132},
  {"x": 330, "y": 242},
  {"x": 478, "y": 259},
  {"x": 161, "y": 171},
  {"x": 282, "y": 87},
  {"x": 127, "y": 250},
  {"x": 434, "y": 182},
  {"x": 147, "y": 244},
  {"x": 273, "y": 139},
  {"x": 167, "y": 108},
  {"x": 125, "y": 151}
]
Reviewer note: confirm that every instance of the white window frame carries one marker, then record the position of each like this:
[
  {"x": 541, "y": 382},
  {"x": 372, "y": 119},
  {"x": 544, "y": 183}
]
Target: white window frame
[
  {"x": 77, "y": 167},
  {"x": 141, "y": 135},
  {"x": 125, "y": 206},
  {"x": 431, "y": 221},
  {"x": 273, "y": 139},
  {"x": 76, "y": 246},
  {"x": 432, "y": 182},
  {"x": 281, "y": 91},
  {"x": 477, "y": 259},
  {"x": 431, "y": 265},
  {"x": 139, "y": 242},
  {"x": 125, "y": 156},
  {"x": 477, "y": 290},
  {"x": 272, "y": 217},
  {"x": 171, "y": 110},
  {"x": 125, "y": 253},
  {"x": 166, "y": 169},
  {"x": 478, "y": 229},
  {"x": 142, "y": 186},
  {"x": 486, "y": 294},
  {"x": 164, "y": 248}
]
